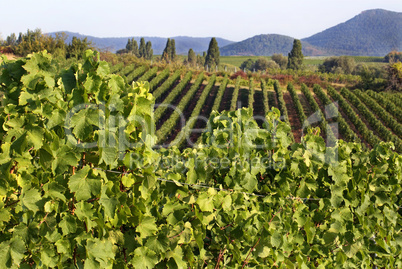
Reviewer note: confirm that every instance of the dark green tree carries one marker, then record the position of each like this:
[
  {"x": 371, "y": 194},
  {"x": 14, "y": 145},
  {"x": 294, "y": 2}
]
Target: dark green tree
[
  {"x": 135, "y": 47},
  {"x": 191, "y": 58},
  {"x": 295, "y": 57},
  {"x": 149, "y": 50},
  {"x": 281, "y": 60},
  {"x": 11, "y": 40},
  {"x": 247, "y": 64},
  {"x": 142, "y": 51},
  {"x": 337, "y": 65},
  {"x": 173, "y": 50},
  {"x": 213, "y": 54},
  {"x": 395, "y": 76},
  {"x": 169, "y": 53},
  {"x": 166, "y": 51},
  {"x": 393, "y": 56},
  {"x": 77, "y": 47},
  {"x": 200, "y": 60},
  {"x": 129, "y": 46},
  {"x": 261, "y": 64}
]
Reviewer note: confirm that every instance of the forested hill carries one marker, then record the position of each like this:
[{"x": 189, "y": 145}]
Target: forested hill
[
  {"x": 183, "y": 43},
  {"x": 267, "y": 45},
  {"x": 372, "y": 33}
]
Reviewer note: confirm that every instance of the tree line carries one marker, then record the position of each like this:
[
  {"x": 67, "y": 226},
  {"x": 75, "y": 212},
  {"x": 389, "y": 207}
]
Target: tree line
[
  {"x": 143, "y": 51},
  {"x": 35, "y": 41}
]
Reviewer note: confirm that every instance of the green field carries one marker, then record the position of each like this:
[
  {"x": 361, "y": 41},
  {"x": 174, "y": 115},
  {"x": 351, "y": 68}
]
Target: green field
[{"x": 308, "y": 61}]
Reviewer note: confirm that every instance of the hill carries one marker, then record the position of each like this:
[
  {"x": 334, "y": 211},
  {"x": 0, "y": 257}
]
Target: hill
[
  {"x": 371, "y": 33},
  {"x": 183, "y": 43},
  {"x": 261, "y": 45}
]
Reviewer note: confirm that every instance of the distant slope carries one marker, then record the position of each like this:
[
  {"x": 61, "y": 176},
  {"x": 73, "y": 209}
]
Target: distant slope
[
  {"x": 265, "y": 45},
  {"x": 183, "y": 43},
  {"x": 371, "y": 33}
]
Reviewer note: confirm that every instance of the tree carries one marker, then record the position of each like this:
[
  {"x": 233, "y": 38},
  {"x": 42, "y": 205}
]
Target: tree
[
  {"x": 166, "y": 51},
  {"x": 173, "y": 50},
  {"x": 295, "y": 57},
  {"x": 169, "y": 53},
  {"x": 11, "y": 40},
  {"x": 213, "y": 54},
  {"x": 149, "y": 50},
  {"x": 247, "y": 64},
  {"x": 338, "y": 65},
  {"x": 129, "y": 46},
  {"x": 281, "y": 60},
  {"x": 77, "y": 47},
  {"x": 395, "y": 76},
  {"x": 142, "y": 51},
  {"x": 200, "y": 60},
  {"x": 393, "y": 56},
  {"x": 261, "y": 64},
  {"x": 191, "y": 58}
]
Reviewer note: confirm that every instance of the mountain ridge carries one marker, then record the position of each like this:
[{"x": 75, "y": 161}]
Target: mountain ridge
[
  {"x": 373, "y": 32},
  {"x": 183, "y": 43}
]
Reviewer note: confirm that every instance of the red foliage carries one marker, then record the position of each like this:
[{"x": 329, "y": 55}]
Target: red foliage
[
  {"x": 239, "y": 73},
  {"x": 283, "y": 79},
  {"x": 311, "y": 80},
  {"x": 6, "y": 50}
]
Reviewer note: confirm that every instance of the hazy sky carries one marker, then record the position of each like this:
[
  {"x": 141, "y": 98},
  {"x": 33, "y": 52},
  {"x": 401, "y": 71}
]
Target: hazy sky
[{"x": 234, "y": 20}]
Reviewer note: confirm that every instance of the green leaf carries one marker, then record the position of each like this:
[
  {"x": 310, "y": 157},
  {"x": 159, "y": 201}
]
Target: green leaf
[
  {"x": 31, "y": 199},
  {"x": 108, "y": 201},
  {"x": 35, "y": 136},
  {"x": 103, "y": 69},
  {"x": 205, "y": 201},
  {"x": 276, "y": 239},
  {"x": 84, "y": 184},
  {"x": 63, "y": 246},
  {"x": 116, "y": 84},
  {"x": 68, "y": 225},
  {"x": 177, "y": 256},
  {"x": 48, "y": 257},
  {"x": 12, "y": 252},
  {"x": 249, "y": 182},
  {"x": 158, "y": 243},
  {"x": 55, "y": 191},
  {"x": 108, "y": 155},
  {"x": 101, "y": 251},
  {"x": 144, "y": 258},
  {"x": 147, "y": 226},
  {"x": 83, "y": 122}
]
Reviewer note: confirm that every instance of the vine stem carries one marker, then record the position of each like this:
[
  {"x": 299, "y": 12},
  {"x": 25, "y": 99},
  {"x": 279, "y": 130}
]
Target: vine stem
[
  {"x": 219, "y": 258},
  {"x": 251, "y": 250},
  {"x": 13, "y": 203},
  {"x": 43, "y": 220}
]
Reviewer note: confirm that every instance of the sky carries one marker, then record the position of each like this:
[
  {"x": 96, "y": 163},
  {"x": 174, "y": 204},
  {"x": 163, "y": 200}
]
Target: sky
[{"x": 234, "y": 20}]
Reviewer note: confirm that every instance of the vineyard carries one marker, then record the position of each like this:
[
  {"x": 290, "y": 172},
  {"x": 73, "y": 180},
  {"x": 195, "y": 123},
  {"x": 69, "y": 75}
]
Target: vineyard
[
  {"x": 353, "y": 116},
  {"x": 193, "y": 170}
]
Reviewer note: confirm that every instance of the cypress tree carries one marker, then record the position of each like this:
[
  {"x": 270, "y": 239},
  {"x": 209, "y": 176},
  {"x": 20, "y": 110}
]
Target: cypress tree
[
  {"x": 166, "y": 52},
  {"x": 295, "y": 57},
  {"x": 213, "y": 54},
  {"x": 129, "y": 46},
  {"x": 142, "y": 50},
  {"x": 149, "y": 50},
  {"x": 172, "y": 50},
  {"x": 135, "y": 47},
  {"x": 191, "y": 59}
]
